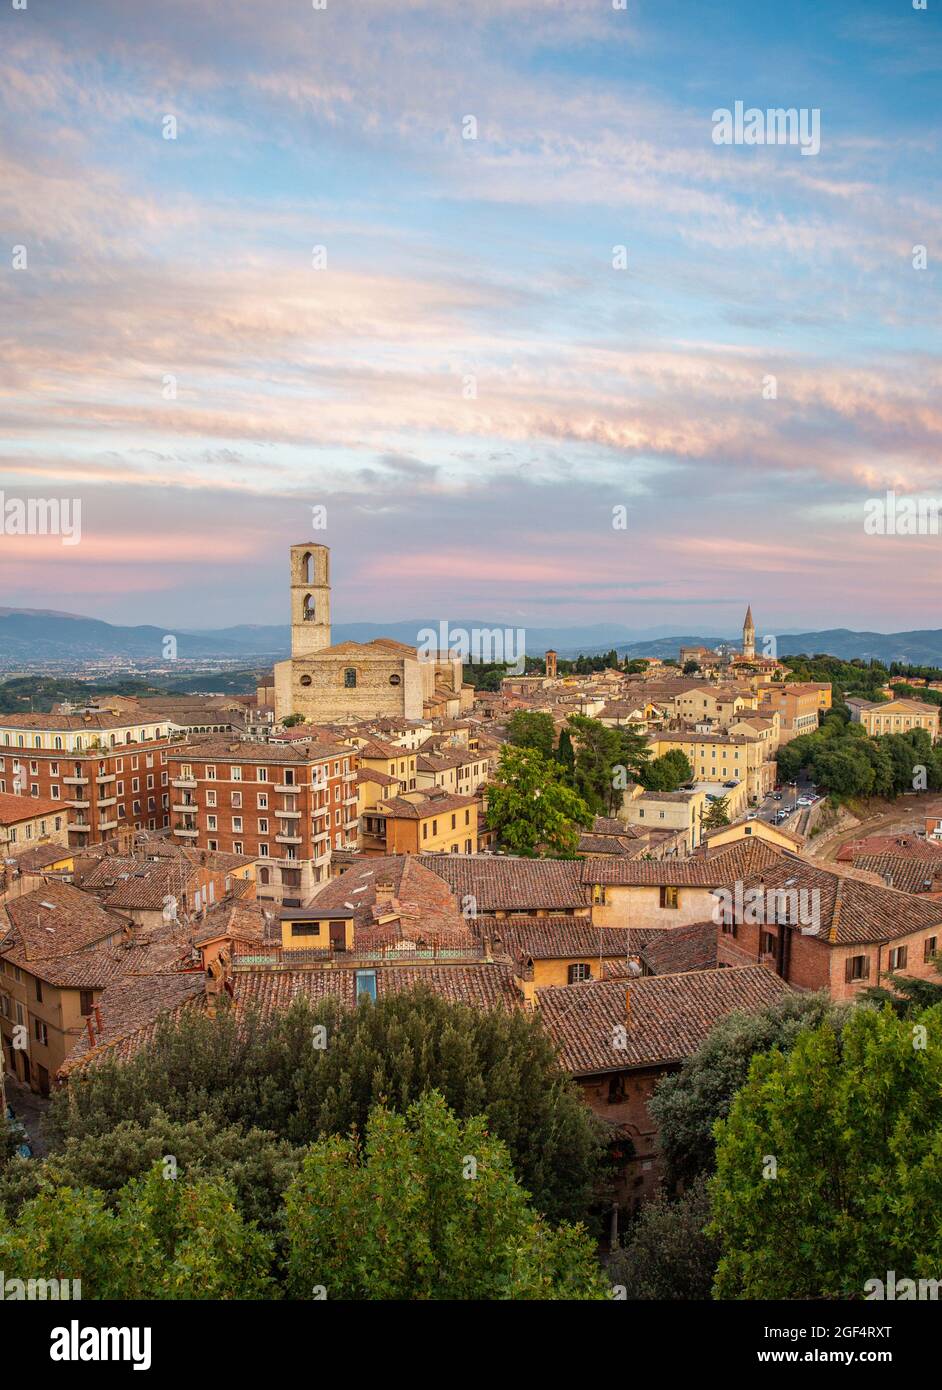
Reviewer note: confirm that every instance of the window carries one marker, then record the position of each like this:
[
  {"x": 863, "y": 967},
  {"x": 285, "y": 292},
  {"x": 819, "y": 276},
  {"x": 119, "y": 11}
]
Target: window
[
  {"x": 237, "y": 774},
  {"x": 350, "y": 681},
  {"x": 40, "y": 1032},
  {"x": 261, "y": 774},
  {"x": 898, "y": 957},
  {"x": 767, "y": 943},
  {"x": 263, "y": 825},
  {"x": 365, "y": 981},
  {"x": 857, "y": 968},
  {"x": 598, "y": 894},
  {"x": 263, "y": 851},
  {"x": 579, "y": 972},
  {"x": 39, "y": 991},
  {"x": 237, "y": 800},
  {"x": 85, "y": 1002},
  {"x": 425, "y": 830},
  {"x": 263, "y": 801},
  {"x": 237, "y": 847},
  {"x": 669, "y": 896},
  {"x": 210, "y": 798},
  {"x": 211, "y": 823},
  {"x": 929, "y": 947}
]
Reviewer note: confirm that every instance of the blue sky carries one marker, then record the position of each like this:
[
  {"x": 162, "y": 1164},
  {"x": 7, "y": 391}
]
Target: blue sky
[{"x": 469, "y": 385}]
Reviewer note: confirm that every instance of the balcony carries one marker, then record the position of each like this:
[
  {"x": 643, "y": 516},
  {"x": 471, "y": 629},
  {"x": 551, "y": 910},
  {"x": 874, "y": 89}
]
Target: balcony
[
  {"x": 76, "y": 781},
  {"x": 186, "y": 831},
  {"x": 105, "y": 777},
  {"x": 81, "y": 826},
  {"x": 283, "y": 811},
  {"x": 289, "y": 788},
  {"x": 181, "y": 806},
  {"x": 288, "y": 862},
  {"x": 288, "y": 839},
  {"x": 107, "y": 824},
  {"x": 184, "y": 783},
  {"x": 105, "y": 801},
  {"x": 349, "y": 776},
  {"x": 79, "y": 805}
]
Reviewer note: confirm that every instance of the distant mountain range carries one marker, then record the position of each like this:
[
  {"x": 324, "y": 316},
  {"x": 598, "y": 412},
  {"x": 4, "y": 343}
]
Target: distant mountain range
[{"x": 39, "y": 635}]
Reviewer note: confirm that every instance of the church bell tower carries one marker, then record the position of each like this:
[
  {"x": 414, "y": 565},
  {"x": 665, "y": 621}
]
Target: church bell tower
[
  {"x": 310, "y": 599},
  {"x": 749, "y": 636}
]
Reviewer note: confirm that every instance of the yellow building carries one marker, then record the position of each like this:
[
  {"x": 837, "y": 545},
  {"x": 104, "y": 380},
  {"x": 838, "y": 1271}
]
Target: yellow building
[
  {"x": 744, "y": 758},
  {"x": 310, "y": 928},
  {"x": 897, "y": 717},
  {"x": 433, "y": 822},
  {"x": 682, "y": 812}
]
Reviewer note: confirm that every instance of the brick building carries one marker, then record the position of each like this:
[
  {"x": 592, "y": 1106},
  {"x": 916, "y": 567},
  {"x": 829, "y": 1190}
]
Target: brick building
[
  {"x": 285, "y": 806},
  {"x": 110, "y": 772},
  {"x": 818, "y": 929}
]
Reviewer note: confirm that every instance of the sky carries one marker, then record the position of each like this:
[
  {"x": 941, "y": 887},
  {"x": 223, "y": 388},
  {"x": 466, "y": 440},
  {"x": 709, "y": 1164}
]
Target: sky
[{"x": 477, "y": 281}]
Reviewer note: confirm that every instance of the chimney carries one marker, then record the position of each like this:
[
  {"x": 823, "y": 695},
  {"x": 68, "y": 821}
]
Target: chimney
[
  {"x": 91, "y": 1030},
  {"x": 98, "y": 1024},
  {"x": 384, "y": 892}
]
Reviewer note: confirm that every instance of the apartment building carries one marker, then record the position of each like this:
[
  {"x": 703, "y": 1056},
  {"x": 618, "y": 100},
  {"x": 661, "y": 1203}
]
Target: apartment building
[
  {"x": 797, "y": 704},
  {"x": 284, "y": 806},
  {"x": 29, "y": 821},
  {"x": 743, "y": 757},
  {"x": 109, "y": 772},
  {"x": 682, "y": 812},
  {"x": 432, "y": 822}
]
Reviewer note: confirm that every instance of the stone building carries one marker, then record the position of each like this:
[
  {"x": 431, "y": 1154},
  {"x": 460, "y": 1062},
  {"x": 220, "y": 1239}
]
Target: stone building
[{"x": 350, "y": 681}]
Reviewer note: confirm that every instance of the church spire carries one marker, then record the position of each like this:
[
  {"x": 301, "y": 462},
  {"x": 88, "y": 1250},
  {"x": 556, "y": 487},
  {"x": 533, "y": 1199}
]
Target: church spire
[{"x": 749, "y": 635}]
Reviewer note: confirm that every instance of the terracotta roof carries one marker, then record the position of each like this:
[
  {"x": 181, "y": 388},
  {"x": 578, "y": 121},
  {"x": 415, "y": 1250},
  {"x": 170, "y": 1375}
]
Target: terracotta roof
[
  {"x": 679, "y": 949},
  {"x": 557, "y": 938},
  {"x": 504, "y": 883},
  {"x": 420, "y": 899},
  {"x": 131, "y": 1010},
  {"x": 698, "y": 871},
  {"x": 670, "y": 1015},
  {"x": 914, "y": 846},
  {"x": 848, "y": 910},
  {"x": 72, "y": 921},
  {"x": 20, "y": 808},
  {"x": 435, "y": 804},
  {"x": 907, "y": 873}
]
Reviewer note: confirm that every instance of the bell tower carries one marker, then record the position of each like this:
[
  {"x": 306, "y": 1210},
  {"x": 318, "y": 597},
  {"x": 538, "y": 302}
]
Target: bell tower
[
  {"x": 310, "y": 599},
  {"x": 749, "y": 636}
]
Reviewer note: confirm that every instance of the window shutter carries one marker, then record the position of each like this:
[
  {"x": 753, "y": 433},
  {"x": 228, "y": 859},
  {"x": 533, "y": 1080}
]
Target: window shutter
[
  {"x": 866, "y": 968},
  {"x": 849, "y": 969}
]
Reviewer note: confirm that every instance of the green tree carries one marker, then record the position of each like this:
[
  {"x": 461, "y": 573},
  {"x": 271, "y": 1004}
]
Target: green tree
[
  {"x": 829, "y": 1166},
  {"x": 210, "y": 1073},
  {"x": 691, "y": 667},
  {"x": 427, "y": 1208},
  {"x": 532, "y": 729},
  {"x": 668, "y": 1254},
  {"x": 291, "y": 720},
  {"x": 717, "y": 813},
  {"x": 531, "y": 808},
  {"x": 565, "y": 756},
  {"x": 667, "y": 773},
  {"x": 166, "y": 1239},
  {"x": 686, "y": 1104},
  {"x": 258, "y": 1164}
]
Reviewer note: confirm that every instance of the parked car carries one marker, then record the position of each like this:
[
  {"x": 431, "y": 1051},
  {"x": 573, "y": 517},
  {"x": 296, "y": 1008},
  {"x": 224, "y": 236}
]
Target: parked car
[{"x": 805, "y": 801}]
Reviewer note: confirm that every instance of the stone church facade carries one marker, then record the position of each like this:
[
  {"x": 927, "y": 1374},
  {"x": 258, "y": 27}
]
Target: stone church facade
[{"x": 327, "y": 683}]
